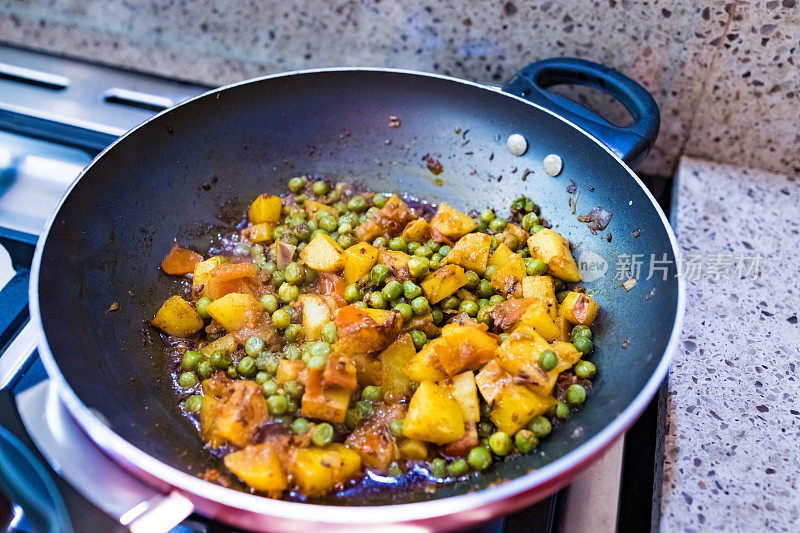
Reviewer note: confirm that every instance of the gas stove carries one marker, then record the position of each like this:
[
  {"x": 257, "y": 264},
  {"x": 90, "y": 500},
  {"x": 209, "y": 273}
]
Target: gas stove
[{"x": 56, "y": 114}]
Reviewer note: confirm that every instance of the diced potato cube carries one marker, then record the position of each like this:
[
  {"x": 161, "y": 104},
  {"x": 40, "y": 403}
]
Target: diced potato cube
[
  {"x": 226, "y": 342},
  {"x": 465, "y": 348},
  {"x": 231, "y": 411},
  {"x": 394, "y": 382},
  {"x": 515, "y": 406},
  {"x": 363, "y": 330},
  {"x": 508, "y": 313},
  {"x": 265, "y": 208},
  {"x": 289, "y": 370},
  {"x": 416, "y": 450},
  {"x": 463, "y": 390},
  {"x": 177, "y": 317},
  {"x": 396, "y": 213},
  {"x": 542, "y": 288},
  {"x": 425, "y": 365},
  {"x": 417, "y": 231},
  {"x": 491, "y": 380},
  {"x": 323, "y": 253},
  {"x": 260, "y": 467},
  {"x": 508, "y": 276},
  {"x": 553, "y": 249},
  {"x": 371, "y": 229},
  {"x": 203, "y": 269},
  {"x": 358, "y": 261},
  {"x": 539, "y": 318},
  {"x": 433, "y": 416},
  {"x": 316, "y": 314},
  {"x": 462, "y": 446},
  {"x": 451, "y": 223},
  {"x": 373, "y": 440},
  {"x": 318, "y": 470},
  {"x": 331, "y": 405},
  {"x": 368, "y": 369},
  {"x": 231, "y": 277},
  {"x": 519, "y": 355},
  {"x": 513, "y": 236},
  {"x": 316, "y": 209},
  {"x": 500, "y": 255},
  {"x": 471, "y": 252},
  {"x": 180, "y": 261},
  {"x": 578, "y": 308},
  {"x": 259, "y": 233},
  {"x": 397, "y": 262},
  {"x": 284, "y": 254},
  {"x": 235, "y": 311},
  {"x": 443, "y": 282},
  {"x": 340, "y": 371}
]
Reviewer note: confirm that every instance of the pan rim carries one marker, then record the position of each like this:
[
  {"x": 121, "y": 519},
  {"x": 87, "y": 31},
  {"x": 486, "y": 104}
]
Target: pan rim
[{"x": 125, "y": 452}]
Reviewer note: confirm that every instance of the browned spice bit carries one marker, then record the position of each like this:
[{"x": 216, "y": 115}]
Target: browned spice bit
[
  {"x": 625, "y": 344},
  {"x": 491, "y": 156},
  {"x": 458, "y": 130},
  {"x": 500, "y": 178},
  {"x": 590, "y": 188},
  {"x": 114, "y": 306},
  {"x": 434, "y": 165},
  {"x": 469, "y": 153},
  {"x": 598, "y": 219},
  {"x": 387, "y": 142},
  {"x": 608, "y": 237},
  {"x": 465, "y": 143},
  {"x": 527, "y": 173},
  {"x": 636, "y": 232},
  {"x": 514, "y": 170},
  {"x": 439, "y": 182},
  {"x": 464, "y": 135},
  {"x": 572, "y": 187},
  {"x": 394, "y": 121}
]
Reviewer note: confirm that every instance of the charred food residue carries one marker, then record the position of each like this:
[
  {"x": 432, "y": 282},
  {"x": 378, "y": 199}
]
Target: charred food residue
[{"x": 598, "y": 219}]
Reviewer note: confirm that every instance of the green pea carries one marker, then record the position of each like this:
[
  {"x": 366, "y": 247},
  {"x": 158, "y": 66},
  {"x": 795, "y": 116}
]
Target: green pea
[
  {"x": 562, "y": 410},
  {"x": 379, "y": 274},
  {"x": 320, "y": 188},
  {"x": 548, "y": 360},
  {"x": 437, "y": 316},
  {"x": 362, "y": 305},
  {"x": 411, "y": 290},
  {"x": 202, "y": 308},
  {"x": 420, "y": 305},
  {"x": 232, "y": 372},
  {"x": 328, "y": 223},
  {"x": 380, "y": 242},
  {"x": 525, "y": 440},
  {"x": 535, "y": 267},
  {"x": 379, "y": 200},
  {"x": 270, "y": 303},
  {"x": 281, "y": 319},
  {"x": 485, "y": 289},
  {"x": 397, "y": 427},
  {"x": 450, "y": 303},
  {"x": 352, "y": 293},
  {"x": 494, "y": 243},
  {"x": 300, "y": 426},
  {"x": 576, "y": 394},
  {"x": 247, "y": 367},
  {"x": 220, "y": 359},
  {"x": 393, "y": 290},
  {"x": 473, "y": 279},
  {"x": 323, "y": 433},
  {"x": 471, "y": 308},
  {"x": 483, "y": 302},
  {"x": 484, "y": 317},
  {"x": 398, "y": 244},
  {"x": 357, "y": 204},
  {"x": 318, "y": 362},
  {"x": 433, "y": 245},
  {"x": 581, "y": 331},
  {"x": 288, "y": 293},
  {"x": 584, "y": 369},
  {"x": 277, "y": 278},
  {"x": 187, "y": 380},
  {"x": 487, "y": 215},
  {"x": 485, "y": 429},
  {"x": 320, "y": 348},
  {"x": 293, "y": 388},
  {"x": 405, "y": 310},
  {"x": 344, "y": 227},
  {"x": 291, "y": 405},
  {"x": 500, "y": 443},
  {"x": 297, "y": 220},
  {"x": 418, "y": 266},
  {"x": 294, "y": 274},
  {"x": 295, "y": 333},
  {"x": 438, "y": 468},
  {"x": 502, "y": 337},
  {"x": 419, "y": 338},
  {"x": 496, "y": 299},
  {"x": 423, "y": 251},
  {"x": 479, "y": 458},
  {"x": 412, "y": 247},
  {"x": 346, "y": 240},
  {"x": 269, "y": 388},
  {"x": 536, "y": 228},
  {"x": 529, "y": 220},
  {"x": 490, "y": 272},
  {"x": 540, "y": 426},
  {"x": 497, "y": 225},
  {"x": 253, "y": 346},
  {"x": 329, "y": 333},
  {"x": 256, "y": 250},
  {"x": 204, "y": 370},
  {"x": 297, "y": 184},
  {"x": 191, "y": 359},
  {"x": 277, "y": 404},
  {"x": 193, "y": 403},
  {"x": 444, "y": 250},
  {"x": 376, "y": 300},
  {"x": 261, "y": 377},
  {"x": 372, "y": 394},
  {"x": 582, "y": 344},
  {"x": 459, "y": 467}
]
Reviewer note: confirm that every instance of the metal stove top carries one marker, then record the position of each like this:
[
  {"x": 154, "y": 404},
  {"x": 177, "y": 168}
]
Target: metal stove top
[{"x": 56, "y": 114}]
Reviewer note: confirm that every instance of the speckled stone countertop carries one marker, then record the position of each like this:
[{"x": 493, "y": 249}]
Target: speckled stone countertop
[{"x": 731, "y": 411}]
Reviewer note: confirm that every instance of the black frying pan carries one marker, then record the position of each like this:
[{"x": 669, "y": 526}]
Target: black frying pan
[{"x": 193, "y": 168}]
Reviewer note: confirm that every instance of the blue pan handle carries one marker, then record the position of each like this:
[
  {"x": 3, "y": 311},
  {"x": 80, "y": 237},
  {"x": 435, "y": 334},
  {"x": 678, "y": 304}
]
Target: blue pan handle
[{"x": 631, "y": 143}]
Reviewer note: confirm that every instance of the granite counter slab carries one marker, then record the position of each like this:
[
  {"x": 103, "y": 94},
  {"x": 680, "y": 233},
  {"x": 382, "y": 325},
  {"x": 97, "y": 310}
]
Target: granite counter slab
[{"x": 731, "y": 405}]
